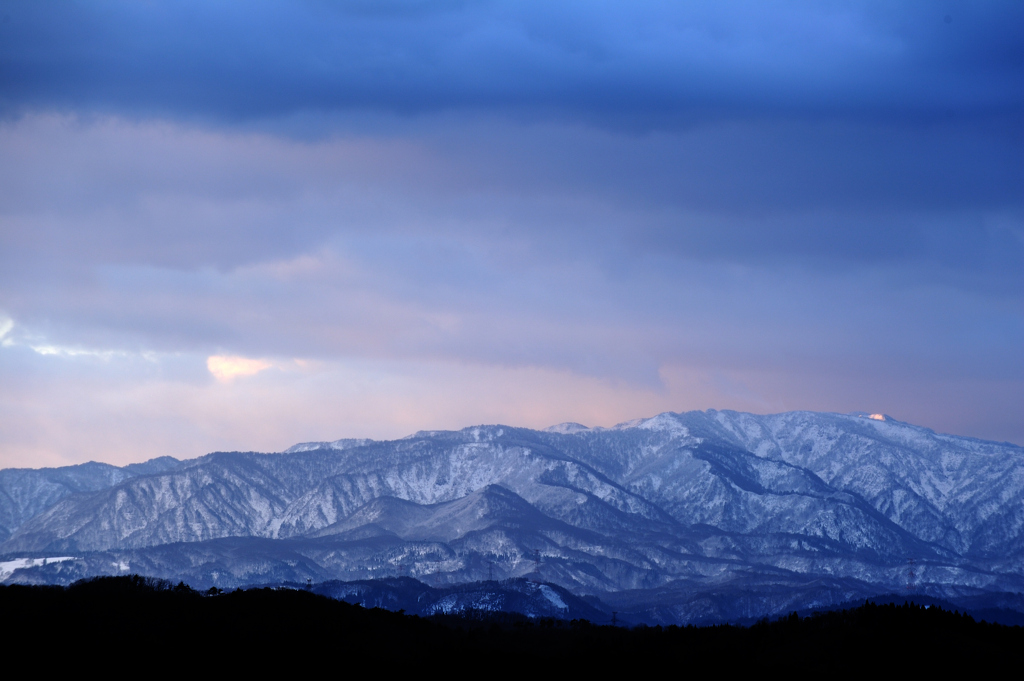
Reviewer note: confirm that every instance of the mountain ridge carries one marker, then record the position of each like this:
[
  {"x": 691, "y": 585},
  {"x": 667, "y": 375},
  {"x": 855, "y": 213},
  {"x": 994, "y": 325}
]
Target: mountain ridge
[{"x": 646, "y": 503}]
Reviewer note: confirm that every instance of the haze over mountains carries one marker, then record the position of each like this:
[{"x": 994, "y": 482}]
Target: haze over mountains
[{"x": 668, "y": 513}]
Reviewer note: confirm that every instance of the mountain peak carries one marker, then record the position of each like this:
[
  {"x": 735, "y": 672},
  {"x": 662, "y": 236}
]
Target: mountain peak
[
  {"x": 343, "y": 444},
  {"x": 567, "y": 428}
]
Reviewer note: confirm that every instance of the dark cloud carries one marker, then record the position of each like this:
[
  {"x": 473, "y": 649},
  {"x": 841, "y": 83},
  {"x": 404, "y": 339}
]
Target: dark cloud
[
  {"x": 857, "y": 133},
  {"x": 629, "y": 64}
]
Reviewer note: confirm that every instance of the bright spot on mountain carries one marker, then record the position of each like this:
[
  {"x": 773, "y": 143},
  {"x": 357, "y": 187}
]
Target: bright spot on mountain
[{"x": 225, "y": 368}]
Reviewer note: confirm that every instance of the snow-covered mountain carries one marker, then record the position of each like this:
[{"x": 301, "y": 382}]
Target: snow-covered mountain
[
  {"x": 699, "y": 498},
  {"x": 24, "y": 492}
]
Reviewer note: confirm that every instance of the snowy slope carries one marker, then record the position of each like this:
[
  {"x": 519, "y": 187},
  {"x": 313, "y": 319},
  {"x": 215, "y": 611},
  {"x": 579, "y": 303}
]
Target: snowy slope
[
  {"x": 696, "y": 496},
  {"x": 24, "y": 493}
]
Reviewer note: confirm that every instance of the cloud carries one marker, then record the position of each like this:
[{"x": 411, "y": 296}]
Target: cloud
[
  {"x": 6, "y": 324},
  {"x": 567, "y": 248},
  {"x": 520, "y": 207},
  {"x": 57, "y": 410},
  {"x": 945, "y": 198},
  {"x": 227, "y": 368},
  {"x": 624, "y": 64}
]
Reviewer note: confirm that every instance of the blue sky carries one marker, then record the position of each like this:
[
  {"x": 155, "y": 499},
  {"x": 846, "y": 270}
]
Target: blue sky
[{"x": 239, "y": 226}]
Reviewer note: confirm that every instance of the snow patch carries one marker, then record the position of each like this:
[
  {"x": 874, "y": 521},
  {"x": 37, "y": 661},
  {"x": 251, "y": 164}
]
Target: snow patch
[
  {"x": 553, "y": 597},
  {"x": 484, "y": 433},
  {"x": 8, "y": 567},
  {"x": 446, "y": 605}
]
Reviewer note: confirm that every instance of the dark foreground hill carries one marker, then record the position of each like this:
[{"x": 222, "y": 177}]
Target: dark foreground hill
[{"x": 133, "y": 624}]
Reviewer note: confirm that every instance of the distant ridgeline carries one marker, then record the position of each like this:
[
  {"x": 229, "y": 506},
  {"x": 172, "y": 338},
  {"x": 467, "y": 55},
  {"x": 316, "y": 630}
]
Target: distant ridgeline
[
  {"x": 142, "y": 623},
  {"x": 694, "y": 517}
]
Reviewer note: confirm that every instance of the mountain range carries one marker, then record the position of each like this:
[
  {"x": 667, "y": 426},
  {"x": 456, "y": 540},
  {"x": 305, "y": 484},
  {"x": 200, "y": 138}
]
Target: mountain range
[{"x": 683, "y": 517}]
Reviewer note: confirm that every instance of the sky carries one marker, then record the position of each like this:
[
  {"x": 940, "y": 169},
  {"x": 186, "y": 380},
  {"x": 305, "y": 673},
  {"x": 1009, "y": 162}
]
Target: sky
[{"x": 239, "y": 226}]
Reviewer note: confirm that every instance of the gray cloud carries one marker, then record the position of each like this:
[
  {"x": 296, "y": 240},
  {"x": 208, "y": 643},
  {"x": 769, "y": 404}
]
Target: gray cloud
[{"x": 832, "y": 197}]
